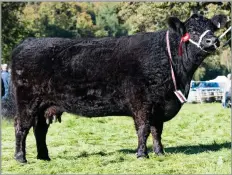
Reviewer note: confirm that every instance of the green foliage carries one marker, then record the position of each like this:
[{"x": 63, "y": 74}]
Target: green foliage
[
  {"x": 199, "y": 74},
  {"x": 107, "y": 20},
  {"x": 12, "y": 30},
  {"x": 214, "y": 65},
  {"x": 101, "y": 19},
  {"x": 150, "y": 16},
  {"x": 51, "y": 19},
  {"x": 196, "y": 141}
]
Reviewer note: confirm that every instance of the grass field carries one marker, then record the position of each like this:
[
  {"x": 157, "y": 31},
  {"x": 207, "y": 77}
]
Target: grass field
[{"x": 196, "y": 141}]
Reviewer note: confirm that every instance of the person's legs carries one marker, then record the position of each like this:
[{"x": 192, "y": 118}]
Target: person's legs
[
  {"x": 228, "y": 100},
  {"x": 224, "y": 99}
]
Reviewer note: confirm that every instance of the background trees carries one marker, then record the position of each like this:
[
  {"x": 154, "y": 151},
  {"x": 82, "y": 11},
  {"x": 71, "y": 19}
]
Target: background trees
[
  {"x": 100, "y": 19},
  {"x": 12, "y": 30}
]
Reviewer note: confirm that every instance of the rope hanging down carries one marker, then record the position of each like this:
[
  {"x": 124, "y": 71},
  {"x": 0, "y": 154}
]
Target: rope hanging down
[{"x": 177, "y": 92}]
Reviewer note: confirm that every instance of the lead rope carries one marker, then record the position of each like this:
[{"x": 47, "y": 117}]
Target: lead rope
[
  {"x": 222, "y": 35},
  {"x": 178, "y": 93},
  {"x": 225, "y": 33},
  {"x": 170, "y": 60}
]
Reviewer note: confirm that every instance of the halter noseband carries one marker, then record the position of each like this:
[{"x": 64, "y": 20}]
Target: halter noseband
[
  {"x": 200, "y": 39},
  {"x": 186, "y": 37}
]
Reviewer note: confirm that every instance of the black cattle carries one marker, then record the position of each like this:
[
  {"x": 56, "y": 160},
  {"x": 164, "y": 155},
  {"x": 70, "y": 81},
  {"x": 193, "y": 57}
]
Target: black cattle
[{"x": 126, "y": 76}]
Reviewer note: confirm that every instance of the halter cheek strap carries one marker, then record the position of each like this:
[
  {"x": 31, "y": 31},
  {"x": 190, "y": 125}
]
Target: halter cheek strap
[
  {"x": 200, "y": 39},
  {"x": 186, "y": 38}
]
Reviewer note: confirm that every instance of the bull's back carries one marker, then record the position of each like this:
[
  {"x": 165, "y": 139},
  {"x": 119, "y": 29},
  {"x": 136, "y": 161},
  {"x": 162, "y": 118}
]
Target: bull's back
[
  {"x": 87, "y": 77},
  {"x": 74, "y": 74}
]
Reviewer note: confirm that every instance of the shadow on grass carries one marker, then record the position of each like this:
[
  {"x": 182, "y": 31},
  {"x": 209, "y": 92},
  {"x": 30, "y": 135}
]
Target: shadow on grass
[
  {"x": 85, "y": 154},
  {"x": 195, "y": 149}
]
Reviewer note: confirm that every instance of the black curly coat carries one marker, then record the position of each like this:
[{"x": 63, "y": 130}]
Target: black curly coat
[{"x": 126, "y": 76}]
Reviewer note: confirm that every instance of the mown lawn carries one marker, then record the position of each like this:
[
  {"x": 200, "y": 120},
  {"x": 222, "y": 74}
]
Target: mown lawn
[{"x": 196, "y": 141}]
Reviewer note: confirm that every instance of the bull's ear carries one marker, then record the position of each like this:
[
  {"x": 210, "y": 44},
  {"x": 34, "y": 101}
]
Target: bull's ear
[
  {"x": 176, "y": 25},
  {"x": 219, "y": 21}
]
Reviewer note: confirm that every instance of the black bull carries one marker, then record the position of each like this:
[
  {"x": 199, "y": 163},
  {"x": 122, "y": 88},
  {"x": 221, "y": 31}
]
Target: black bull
[{"x": 126, "y": 76}]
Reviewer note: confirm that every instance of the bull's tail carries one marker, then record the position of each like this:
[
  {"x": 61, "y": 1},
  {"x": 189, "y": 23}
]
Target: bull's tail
[{"x": 9, "y": 104}]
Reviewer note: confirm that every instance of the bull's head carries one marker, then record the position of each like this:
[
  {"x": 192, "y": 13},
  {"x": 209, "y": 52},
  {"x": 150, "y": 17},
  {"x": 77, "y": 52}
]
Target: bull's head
[{"x": 200, "y": 29}]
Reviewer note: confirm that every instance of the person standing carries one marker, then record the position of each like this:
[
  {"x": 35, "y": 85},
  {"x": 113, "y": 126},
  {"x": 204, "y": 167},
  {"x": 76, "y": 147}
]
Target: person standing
[
  {"x": 227, "y": 92},
  {"x": 5, "y": 78}
]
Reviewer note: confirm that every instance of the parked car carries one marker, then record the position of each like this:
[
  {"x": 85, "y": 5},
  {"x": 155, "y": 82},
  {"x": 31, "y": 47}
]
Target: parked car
[
  {"x": 192, "y": 97},
  {"x": 194, "y": 85},
  {"x": 209, "y": 91}
]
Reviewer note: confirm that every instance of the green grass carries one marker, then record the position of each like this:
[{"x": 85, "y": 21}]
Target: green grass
[{"x": 196, "y": 141}]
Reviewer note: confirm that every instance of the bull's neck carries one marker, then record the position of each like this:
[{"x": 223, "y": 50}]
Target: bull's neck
[
  {"x": 192, "y": 58},
  {"x": 185, "y": 65}
]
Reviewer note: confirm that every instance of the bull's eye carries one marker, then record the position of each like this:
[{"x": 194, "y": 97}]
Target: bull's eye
[{"x": 194, "y": 32}]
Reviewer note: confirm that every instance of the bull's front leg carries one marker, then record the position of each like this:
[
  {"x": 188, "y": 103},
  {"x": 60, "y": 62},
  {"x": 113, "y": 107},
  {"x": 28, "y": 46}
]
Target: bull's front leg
[
  {"x": 156, "y": 131},
  {"x": 143, "y": 133},
  {"x": 143, "y": 130}
]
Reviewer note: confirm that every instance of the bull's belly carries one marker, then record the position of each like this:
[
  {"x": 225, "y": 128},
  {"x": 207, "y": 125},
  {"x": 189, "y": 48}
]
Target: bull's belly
[
  {"x": 105, "y": 107},
  {"x": 98, "y": 103},
  {"x": 96, "y": 107},
  {"x": 171, "y": 108},
  {"x": 98, "y": 111}
]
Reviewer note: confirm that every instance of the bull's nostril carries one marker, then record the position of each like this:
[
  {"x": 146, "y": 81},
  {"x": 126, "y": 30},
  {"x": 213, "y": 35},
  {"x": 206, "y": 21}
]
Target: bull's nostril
[{"x": 208, "y": 41}]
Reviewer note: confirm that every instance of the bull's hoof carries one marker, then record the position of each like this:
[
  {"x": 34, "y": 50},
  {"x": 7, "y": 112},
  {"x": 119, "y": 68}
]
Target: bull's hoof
[
  {"x": 20, "y": 158},
  {"x": 142, "y": 155},
  {"x": 47, "y": 158},
  {"x": 160, "y": 153}
]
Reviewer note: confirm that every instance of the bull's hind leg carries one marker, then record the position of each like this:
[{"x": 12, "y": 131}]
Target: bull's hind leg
[
  {"x": 24, "y": 120},
  {"x": 25, "y": 116},
  {"x": 22, "y": 127},
  {"x": 40, "y": 131}
]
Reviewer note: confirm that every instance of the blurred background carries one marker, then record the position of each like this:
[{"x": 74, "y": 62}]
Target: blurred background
[
  {"x": 101, "y": 19},
  {"x": 198, "y": 141},
  {"x": 114, "y": 19}
]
